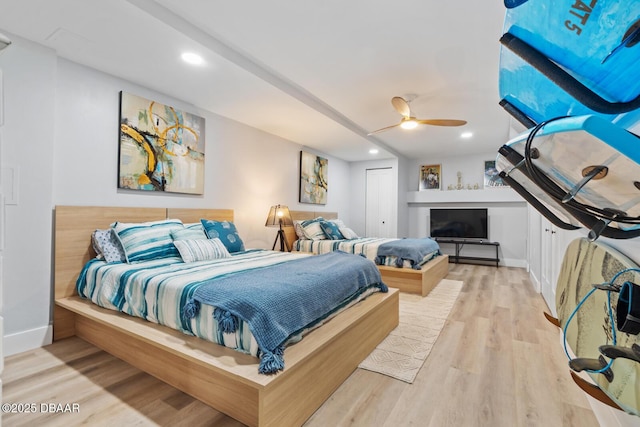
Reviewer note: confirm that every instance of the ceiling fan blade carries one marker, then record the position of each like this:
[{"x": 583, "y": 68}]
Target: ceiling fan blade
[
  {"x": 383, "y": 129},
  {"x": 442, "y": 122},
  {"x": 401, "y": 106}
]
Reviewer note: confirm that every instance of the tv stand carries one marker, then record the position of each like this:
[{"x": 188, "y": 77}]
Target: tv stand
[{"x": 457, "y": 258}]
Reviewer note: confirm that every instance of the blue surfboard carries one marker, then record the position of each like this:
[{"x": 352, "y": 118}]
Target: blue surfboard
[{"x": 568, "y": 57}]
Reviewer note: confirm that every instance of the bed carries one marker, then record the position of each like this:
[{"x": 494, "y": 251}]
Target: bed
[
  {"x": 407, "y": 280},
  {"x": 223, "y": 378}
]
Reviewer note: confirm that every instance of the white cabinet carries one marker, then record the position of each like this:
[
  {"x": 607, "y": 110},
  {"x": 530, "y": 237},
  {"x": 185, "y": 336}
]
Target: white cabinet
[
  {"x": 549, "y": 264},
  {"x": 547, "y": 244}
]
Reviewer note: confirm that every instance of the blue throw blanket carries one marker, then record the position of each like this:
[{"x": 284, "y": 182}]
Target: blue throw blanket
[
  {"x": 280, "y": 301},
  {"x": 413, "y": 250}
]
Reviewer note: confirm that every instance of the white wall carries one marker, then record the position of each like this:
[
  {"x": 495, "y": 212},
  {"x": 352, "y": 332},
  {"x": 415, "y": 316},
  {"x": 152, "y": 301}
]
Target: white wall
[
  {"x": 508, "y": 220},
  {"x": 470, "y": 166},
  {"x": 61, "y": 131},
  {"x": 29, "y": 75},
  {"x": 403, "y": 207}
]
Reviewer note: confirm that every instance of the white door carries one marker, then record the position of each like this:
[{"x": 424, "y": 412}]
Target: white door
[
  {"x": 534, "y": 250},
  {"x": 379, "y": 203}
]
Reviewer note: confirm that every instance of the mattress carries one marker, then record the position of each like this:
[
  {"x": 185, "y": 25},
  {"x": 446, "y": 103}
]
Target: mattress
[
  {"x": 366, "y": 246},
  {"x": 157, "y": 290}
]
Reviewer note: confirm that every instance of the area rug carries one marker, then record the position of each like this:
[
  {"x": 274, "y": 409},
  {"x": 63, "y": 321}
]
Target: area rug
[{"x": 403, "y": 352}]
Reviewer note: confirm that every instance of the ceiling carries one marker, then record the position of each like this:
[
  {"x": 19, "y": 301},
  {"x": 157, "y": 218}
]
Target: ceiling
[{"x": 319, "y": 73}]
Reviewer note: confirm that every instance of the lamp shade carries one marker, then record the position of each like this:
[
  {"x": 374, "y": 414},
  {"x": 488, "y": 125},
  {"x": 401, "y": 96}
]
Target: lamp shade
[{"x": 279, "y": 215}]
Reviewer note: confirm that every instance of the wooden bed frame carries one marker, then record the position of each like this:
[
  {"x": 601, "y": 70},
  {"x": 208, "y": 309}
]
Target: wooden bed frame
[
  {"x": 220, "y": 377},
  {"x": 419, "y": 282}
]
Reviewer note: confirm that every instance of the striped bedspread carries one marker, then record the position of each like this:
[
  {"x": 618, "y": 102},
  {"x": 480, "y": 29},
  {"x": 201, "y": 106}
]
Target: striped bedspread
[
  {"x": 157, "y": 291},
  {"x": 281, "y": 300},
  {"x": 367, "y": 246}
]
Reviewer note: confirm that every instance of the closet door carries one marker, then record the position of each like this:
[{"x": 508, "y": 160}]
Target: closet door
[
  {"x": 534, "y": 248},
  {"x": 379, "y": 204},
  {"x": 549, "y": 263}
]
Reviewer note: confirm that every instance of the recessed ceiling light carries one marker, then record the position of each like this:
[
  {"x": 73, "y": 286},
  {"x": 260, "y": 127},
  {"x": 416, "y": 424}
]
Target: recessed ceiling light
[
  {"x": 192, "y": 58},
  {"x": 373, "y": 151},
  {"x": 466, "y": 134}
]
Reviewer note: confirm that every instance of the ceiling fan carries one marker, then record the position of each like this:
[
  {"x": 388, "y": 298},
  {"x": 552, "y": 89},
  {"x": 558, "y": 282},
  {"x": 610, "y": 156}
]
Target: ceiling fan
[{"x": 409, "y": 122}]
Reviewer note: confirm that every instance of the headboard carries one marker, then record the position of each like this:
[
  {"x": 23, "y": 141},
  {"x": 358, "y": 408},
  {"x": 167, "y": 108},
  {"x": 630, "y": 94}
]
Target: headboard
[
  {"x": 290, "y": 233},
  {"x": 74, "y": 225}
]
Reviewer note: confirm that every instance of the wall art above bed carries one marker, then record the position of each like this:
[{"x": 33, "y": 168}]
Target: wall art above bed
[
  {"x": 161, "y": 148},
  {"x": 313, "y": 178}
]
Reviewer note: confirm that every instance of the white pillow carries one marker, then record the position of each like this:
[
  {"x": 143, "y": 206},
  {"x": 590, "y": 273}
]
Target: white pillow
[
  {"x": 201, "y": 249},
  {"x": 338, "y": 222},
  {"x": 348, "y": 233}
]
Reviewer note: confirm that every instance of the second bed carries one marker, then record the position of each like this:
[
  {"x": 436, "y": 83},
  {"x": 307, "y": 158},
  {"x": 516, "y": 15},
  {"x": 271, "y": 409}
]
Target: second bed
[{"x": 417, "y": 281}]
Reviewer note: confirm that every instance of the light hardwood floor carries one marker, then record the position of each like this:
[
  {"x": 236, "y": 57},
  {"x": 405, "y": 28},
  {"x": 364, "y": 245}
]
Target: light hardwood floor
[{"x": 497, "y": 362}]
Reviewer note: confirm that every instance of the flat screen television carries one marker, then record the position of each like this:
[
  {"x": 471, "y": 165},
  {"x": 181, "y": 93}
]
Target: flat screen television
[{"x": 459, "y": 223}]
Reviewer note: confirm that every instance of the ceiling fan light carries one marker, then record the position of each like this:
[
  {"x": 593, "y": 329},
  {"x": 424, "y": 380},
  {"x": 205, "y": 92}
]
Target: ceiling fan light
[
  {"x": 192, "y": 58},
  {"x": 409, "y": 124}
]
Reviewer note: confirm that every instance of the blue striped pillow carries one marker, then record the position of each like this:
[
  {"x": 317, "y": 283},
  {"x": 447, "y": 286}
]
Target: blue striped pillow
[
  {"x": 194, "y": 226},
  {"x": 188, "y": 234},
  {"x": 201, "y": 250},
  {"x": 148, "y": 240},
  {"x": 313, "y": 230}
]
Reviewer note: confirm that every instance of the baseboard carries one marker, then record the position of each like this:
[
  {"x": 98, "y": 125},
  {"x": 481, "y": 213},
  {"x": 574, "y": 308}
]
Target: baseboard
[
  {"x": 512, "y": 262},
  {"x": 27, "y": 340},
  {"x": 536, "y": 283}
]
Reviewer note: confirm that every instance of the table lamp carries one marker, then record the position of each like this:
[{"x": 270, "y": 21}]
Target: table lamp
[{"x": 279, "y": 216}]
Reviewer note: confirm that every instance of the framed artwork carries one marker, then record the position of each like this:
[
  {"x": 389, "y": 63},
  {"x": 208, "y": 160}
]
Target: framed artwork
[
  {"x": 430, "y": 177},
  {"x": 313, "y": 178},
  {"x": 491, "y": 177},
  {"x": 161, "y": 148}
]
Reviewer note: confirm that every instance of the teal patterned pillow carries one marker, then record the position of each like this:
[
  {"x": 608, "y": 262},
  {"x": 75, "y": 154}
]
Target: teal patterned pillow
[
  {"x": 225, "y": 231},
  {"x": 148, "y": 240},
  {"x": 201, "y": 249},
  {"x": 331, "y": 230},
  {"x": 337, "y": 222}
]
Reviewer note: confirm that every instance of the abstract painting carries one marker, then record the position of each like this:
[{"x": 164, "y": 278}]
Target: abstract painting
[
  {"x": 491, "y": 175},
  {"x": 313, "y": 178},
  {"x": 430, "y": 177},
  {"x": 161, "y": 148}
]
